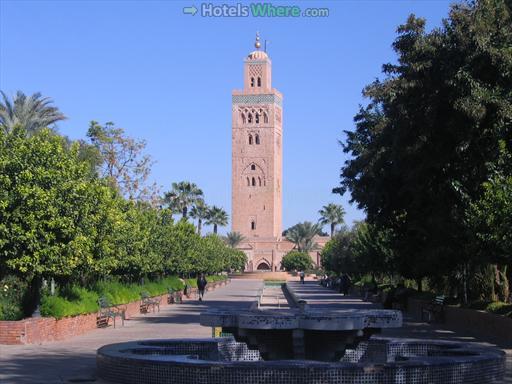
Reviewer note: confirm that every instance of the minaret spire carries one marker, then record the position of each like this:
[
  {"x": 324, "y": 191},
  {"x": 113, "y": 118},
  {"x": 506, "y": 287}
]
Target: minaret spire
[{"x": 257, "y": 43}]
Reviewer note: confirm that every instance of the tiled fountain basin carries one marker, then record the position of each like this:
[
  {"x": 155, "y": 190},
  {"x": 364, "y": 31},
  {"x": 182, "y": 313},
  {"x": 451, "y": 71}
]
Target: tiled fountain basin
[
  {"x": 302, "y": 334},
  {"x": 225, "y": 361}
]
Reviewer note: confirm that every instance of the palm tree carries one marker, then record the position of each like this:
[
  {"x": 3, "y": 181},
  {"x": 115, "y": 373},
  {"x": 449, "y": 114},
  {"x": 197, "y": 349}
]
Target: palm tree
[
  {"x": 302, "y": 235},
  {"x": 234, "y": 238},
  {"x": 217, "y": 216},
  {"x": 31, "y": 113},
  {"x": 199, "y": 211},
  {"x": 183, "y": 195},
  {"x": 331, "y": 214}
]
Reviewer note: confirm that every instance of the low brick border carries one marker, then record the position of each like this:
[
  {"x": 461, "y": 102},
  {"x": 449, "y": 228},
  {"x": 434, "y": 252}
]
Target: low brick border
[
  {"x": 481, "y": 323},
  {"x": 46, "y": 329}
]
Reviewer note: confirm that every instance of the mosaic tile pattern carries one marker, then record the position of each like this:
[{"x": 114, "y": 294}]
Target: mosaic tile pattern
[
  {"x": 257, "y": 99},
  {"x": 311, "y": 334},
  {"x": 224, "y": 361}
]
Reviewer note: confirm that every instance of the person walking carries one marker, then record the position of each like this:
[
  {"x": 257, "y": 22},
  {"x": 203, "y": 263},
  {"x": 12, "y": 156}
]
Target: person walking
[
  {"x": 201, "y": 285},
  {"x": 302, "y": 275}
]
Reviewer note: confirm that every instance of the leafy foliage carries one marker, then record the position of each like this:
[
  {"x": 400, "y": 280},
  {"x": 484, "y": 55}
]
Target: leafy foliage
[
  {"x": 233, "y": 239},
  {"x": 217, "y": 217},
  {"x": 296, "y": 261},
  {"x": 427, "y": 145},
  {"x": 182, "y": 196},
  {"x": 332, "y": 214},
  {"x": 47, "y": 205},
  {"x": 60, "y": 220},
  {"x": 122, "y": 161},
  {"x": 302, "y": 235},
  {"x": 74, "y": 301},
  {"x": 201, "y": 212},
  {"x": 30, "y": 113},
  {"x": 12, "y": 297}
]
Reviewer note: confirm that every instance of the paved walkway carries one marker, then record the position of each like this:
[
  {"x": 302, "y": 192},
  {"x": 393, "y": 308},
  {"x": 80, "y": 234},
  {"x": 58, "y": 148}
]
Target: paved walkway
[
  {"x": 73, "y": 361},
  {"x": 320, "y": 297}
]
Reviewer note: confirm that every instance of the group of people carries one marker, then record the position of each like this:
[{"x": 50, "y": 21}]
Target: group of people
[{"x": 341, "y": 283}]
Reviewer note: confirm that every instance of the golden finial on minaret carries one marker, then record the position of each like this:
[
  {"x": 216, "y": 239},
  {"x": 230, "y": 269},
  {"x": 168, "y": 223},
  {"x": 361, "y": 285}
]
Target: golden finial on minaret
[{"x": 257, "y": 44}]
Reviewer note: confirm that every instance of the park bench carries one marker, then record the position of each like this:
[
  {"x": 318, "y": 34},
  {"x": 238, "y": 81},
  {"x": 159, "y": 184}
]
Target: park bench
[
  {"x": 374, "y": 297},
  {"x": 175, "y": 296},
  {"x": 146, "y": 301},
  {"x": 108, "y": 311},
  {"x": 434, "y": 310}
]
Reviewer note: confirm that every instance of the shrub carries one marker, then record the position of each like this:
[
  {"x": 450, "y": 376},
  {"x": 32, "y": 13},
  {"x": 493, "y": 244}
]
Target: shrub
[
  {"x": 12, "y": 295},
  {"x": 75, "y": 300},
  {"x": 500, "y": 308},
  {"x": 294, "y": 260},
  {"x": 117, "y": 292},
  {"x": 214, "y": 278},
  {"x": 69, "y": 302}
]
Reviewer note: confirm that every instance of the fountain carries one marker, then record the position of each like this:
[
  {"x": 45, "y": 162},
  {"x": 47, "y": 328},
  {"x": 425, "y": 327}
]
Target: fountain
[{"x": 300, "y": 345}]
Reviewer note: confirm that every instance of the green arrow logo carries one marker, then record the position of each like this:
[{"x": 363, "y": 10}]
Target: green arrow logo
[{"x": 190, "y": 10}]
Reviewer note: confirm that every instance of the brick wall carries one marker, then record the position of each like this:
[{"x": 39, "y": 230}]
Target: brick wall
[
  {"x": 476, "y": 323},
  {"x": 11, "y": 332},
  {"x": 44, "y": 329}
]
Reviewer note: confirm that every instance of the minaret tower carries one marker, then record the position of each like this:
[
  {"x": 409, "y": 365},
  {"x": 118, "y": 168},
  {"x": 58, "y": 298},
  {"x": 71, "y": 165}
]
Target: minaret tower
[{"x": 257, "y": 151}]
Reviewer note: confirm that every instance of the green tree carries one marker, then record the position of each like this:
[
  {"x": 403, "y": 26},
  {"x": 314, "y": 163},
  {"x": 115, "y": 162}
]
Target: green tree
[
  {"x": 47, "y": 206},
  {"x": 122, "y": 161},
  {"x": 233, "y": 239},
  {"x": 199, "y": 211},
  {"x": 30, "y": 113},
  {"x": 180, "y": 248},
  {"x": 332, "y": 214},
  {"x": 217, "y": 217},
  {"x": 237, "y": 260},
  {"x": 182, "y": 196},
  {"x": 491, "y": 219},
  {"x": 296, "y": 261},
  {"x": 338, "y": 256},
  {"x": 372, "y": 250},
  {"x": 302, "y": 235},
  {"x": 422, "y": 145}
]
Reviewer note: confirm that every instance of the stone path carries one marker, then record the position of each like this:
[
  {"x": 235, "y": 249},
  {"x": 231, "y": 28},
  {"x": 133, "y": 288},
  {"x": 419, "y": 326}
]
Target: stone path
[
  {"x": 320, "y": 297},
  {"x": 73, "y": 361}
]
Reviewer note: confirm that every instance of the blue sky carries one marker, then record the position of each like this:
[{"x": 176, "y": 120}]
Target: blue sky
[{"x": 167, "y": 77}]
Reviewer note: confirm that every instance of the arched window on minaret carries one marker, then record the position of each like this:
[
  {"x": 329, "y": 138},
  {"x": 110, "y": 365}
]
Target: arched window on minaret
[
  {"x": 265, "y": 117},
  {"x": 257, "y": 118},
  {"x": 259, "y": 181},
  {"x": 253, "y": 167},
  {"x": 257, "y": 139},
  {"x": 249, "y": 118},
  {"x": 259, "y": 81},
  {"x": 253, "y": 225},
  {"x": 248, "y": 182},
  {"x": 243, "y": 118},
  {"x": 250, "y": 139},
  {"x": 252, "y": 81},
  {"x": 253, "y": 182}
]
